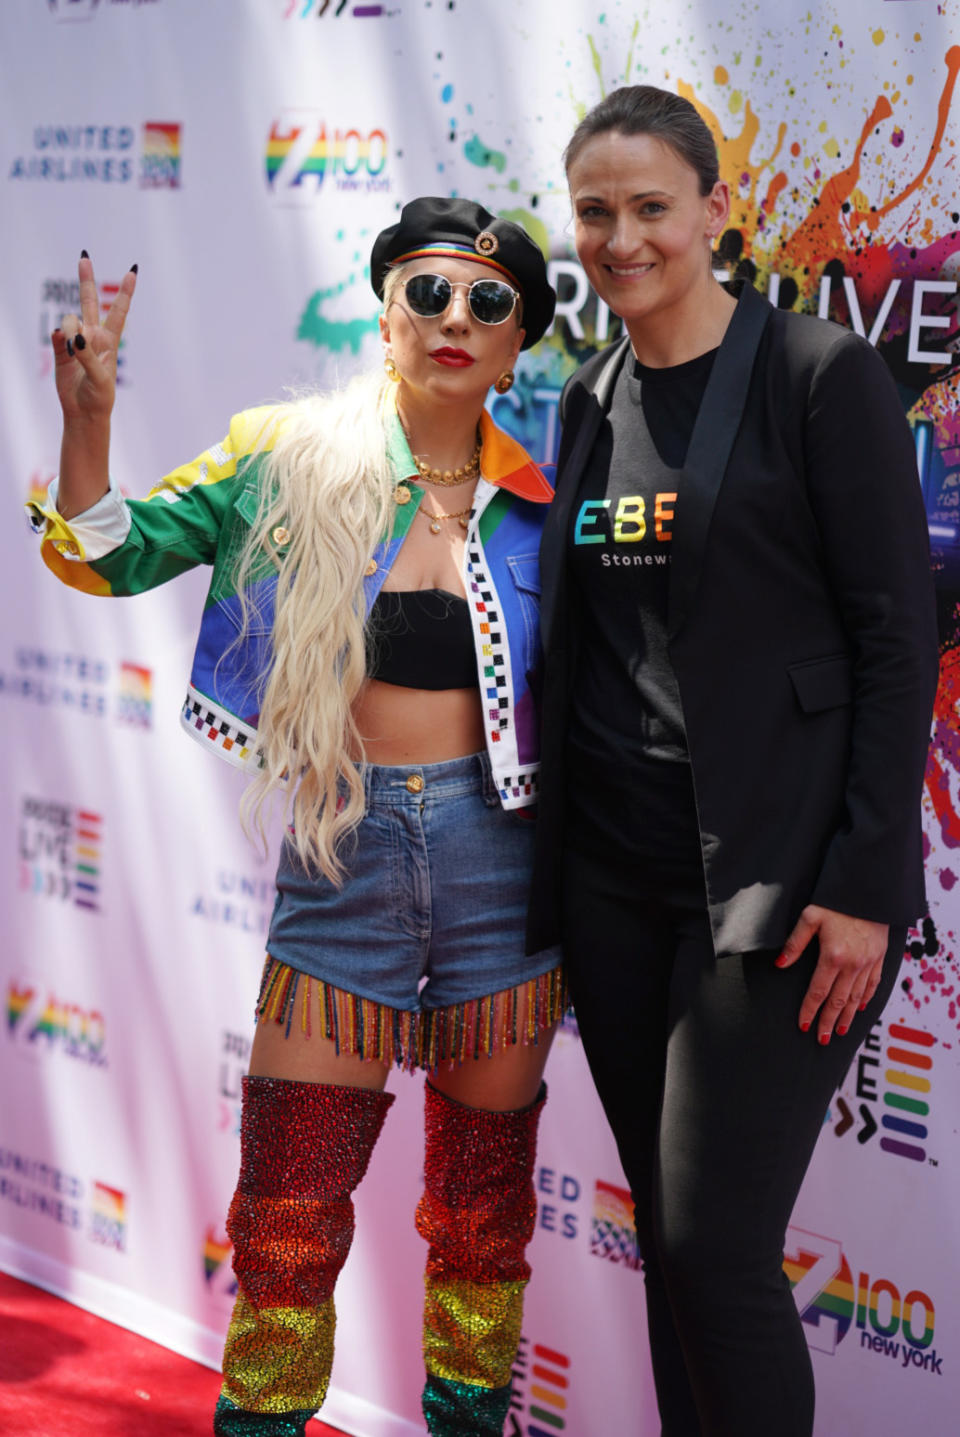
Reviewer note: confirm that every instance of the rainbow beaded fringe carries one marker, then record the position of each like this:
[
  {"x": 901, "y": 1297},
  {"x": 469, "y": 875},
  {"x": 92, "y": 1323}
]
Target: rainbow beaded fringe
[{"x": 371, "y": 1030}]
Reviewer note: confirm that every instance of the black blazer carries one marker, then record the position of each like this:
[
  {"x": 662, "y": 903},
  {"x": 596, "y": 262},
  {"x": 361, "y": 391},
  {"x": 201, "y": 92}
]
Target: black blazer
[{"x": 802, "y": 630}]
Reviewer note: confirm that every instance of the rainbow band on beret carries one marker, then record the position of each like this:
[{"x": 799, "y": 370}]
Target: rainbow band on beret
[{"x": 451, "y": 250}]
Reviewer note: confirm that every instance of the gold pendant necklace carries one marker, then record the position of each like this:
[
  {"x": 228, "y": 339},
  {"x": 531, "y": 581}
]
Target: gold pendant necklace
[{"x": 435, "y": 526}]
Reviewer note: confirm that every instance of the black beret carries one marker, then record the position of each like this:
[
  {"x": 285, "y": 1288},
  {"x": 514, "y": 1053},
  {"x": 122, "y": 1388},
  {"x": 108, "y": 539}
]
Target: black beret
[{"x": 461, "y": 229}]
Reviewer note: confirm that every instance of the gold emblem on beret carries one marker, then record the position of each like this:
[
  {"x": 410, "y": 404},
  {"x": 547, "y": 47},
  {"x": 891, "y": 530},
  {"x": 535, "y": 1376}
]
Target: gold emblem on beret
[{"x": 486, "y": 243}]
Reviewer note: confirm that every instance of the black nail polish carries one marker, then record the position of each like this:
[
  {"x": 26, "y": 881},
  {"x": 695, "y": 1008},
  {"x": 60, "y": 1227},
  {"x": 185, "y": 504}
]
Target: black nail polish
[
  {"x": 79, "y": 342},
  {"x": 70, "y": 348},
  {"x": 134, "y": 269},
  {"x": 83, "y": 254}
]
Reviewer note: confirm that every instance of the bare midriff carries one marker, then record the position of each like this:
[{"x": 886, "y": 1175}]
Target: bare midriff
[{"x": 400, "y": 725}]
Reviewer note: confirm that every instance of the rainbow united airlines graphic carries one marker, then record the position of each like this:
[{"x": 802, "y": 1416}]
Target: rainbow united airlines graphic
[
  {"x": 108, "y": 1216},
  {"x": 160, "y": 156},
  {"x": 612, "y": 1232},
  {"x": 135, "y": 696}
]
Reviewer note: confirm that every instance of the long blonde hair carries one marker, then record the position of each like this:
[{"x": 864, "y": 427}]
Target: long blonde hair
[{"x": 328, "y": 482}]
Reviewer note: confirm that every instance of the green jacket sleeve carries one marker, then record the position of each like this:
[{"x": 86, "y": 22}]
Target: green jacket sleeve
[{"x": 177, "y": 526}]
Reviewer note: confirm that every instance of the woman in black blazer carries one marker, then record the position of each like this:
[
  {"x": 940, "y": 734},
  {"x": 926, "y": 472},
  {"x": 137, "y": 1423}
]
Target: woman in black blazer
[{"x": 741, "y": 659}]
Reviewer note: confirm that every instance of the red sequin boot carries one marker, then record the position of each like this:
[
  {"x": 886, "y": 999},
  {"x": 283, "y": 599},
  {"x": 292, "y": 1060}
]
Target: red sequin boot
[
  {"x": 478, "y": 1213},
  {"x": 304, "y": 1148}
]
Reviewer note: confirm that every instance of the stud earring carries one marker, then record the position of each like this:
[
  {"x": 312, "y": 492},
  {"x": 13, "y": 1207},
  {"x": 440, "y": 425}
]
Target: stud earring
[
  {"x": 392, "y": 370},
  {"x": 504, "y": 382}
]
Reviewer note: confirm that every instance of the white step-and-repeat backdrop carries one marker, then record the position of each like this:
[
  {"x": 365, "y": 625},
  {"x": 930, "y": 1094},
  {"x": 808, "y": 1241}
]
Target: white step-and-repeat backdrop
[{"x": 245, "y": 153}]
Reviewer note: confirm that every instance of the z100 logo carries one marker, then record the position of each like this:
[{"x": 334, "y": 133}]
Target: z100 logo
[
  {"x": 830, "y": 1303},
  {"x": 42, "y": 1023},
  {"x": 60, "y": 852},
  {"x": 302, "y": 151},
  {"x": 317, "y": 9}
]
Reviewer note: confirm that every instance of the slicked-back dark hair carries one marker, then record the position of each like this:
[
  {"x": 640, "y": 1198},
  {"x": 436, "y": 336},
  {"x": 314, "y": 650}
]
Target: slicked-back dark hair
[{"x": 647, "y": 110}]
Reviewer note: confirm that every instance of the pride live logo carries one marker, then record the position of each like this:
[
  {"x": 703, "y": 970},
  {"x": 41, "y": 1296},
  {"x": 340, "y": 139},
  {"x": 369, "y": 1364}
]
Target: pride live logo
[
  {"x": 894, "y": 1069},
  {"x": 541, "y": 1384}
]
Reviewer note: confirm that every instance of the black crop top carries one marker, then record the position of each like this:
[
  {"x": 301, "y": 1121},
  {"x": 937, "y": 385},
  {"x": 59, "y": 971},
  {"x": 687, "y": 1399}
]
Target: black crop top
[{"x": 421, "y": 639}]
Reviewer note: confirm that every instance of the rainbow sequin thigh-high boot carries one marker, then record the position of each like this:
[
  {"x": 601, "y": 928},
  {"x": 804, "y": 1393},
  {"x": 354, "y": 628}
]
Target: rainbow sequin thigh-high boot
[
  {"x": 304, "y": 1147},
  {"x": 478, "y": 1212}
]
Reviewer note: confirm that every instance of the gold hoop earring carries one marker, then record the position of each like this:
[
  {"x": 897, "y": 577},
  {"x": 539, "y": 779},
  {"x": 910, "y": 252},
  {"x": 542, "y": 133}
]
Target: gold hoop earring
[
  {"x": 504, "y": 382},
  {"x": 392, "y": 370}
]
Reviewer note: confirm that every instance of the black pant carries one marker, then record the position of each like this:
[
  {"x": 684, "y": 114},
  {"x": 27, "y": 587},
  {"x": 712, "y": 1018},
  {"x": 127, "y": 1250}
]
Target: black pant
[{"x": 716, "y": 1099}]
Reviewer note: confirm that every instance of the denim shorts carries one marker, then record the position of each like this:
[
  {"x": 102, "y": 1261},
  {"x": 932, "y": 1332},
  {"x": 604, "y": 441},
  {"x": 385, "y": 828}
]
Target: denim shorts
[{"x": 432, "y": 911}]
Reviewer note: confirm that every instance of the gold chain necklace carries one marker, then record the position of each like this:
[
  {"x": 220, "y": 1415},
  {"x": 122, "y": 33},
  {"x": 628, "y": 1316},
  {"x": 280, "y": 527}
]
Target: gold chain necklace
[
  {"x": 435, "y": 526},
  {"x": 449, "y": 476}
]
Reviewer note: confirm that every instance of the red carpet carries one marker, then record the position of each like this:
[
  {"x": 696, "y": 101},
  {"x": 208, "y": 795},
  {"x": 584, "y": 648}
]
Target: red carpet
[{"x": 65, "y": 1373}]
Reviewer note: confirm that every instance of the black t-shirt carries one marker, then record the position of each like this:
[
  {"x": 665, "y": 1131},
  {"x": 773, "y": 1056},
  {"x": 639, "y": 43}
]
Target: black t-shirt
[{"x": 629, "y": 781}]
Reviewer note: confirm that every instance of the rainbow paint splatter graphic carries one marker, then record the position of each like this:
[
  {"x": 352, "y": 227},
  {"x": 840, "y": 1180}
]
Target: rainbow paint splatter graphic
[
  {"x": 840, "y": 148},
  {"x": 160, "y": 156}
]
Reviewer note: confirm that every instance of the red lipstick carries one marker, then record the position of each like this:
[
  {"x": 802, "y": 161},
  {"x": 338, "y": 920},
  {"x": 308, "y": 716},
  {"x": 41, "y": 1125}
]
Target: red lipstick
[{"x": 456, "y": 358}]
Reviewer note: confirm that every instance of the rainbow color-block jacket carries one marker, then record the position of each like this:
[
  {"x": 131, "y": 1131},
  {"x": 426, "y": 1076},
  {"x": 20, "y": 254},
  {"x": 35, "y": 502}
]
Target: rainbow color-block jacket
[{"x": 198, "y": 515}]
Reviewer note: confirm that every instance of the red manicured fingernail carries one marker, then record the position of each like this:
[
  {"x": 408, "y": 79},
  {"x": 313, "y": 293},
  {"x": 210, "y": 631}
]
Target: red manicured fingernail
[
  {"x": 841, "y": 1032},
  {"x": 79, "y": 342},
  {"x": 779, "y": 962},
  {"x": 824, "y": 1039},
  {"x": 804, "y": 1027},
  {"x": 863, "y": 1007}
]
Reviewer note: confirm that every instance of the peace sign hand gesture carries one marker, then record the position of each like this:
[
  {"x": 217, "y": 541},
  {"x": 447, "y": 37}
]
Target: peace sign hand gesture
[
  {"x": 85, "y": 369},
  {"x": 85, "y": 350}
]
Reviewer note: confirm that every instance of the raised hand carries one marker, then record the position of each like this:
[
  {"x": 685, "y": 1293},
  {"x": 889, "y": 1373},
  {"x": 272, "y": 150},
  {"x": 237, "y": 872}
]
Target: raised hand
[
  {"x": 85, "y": 351},
  {"x": 85, "y": 369}
]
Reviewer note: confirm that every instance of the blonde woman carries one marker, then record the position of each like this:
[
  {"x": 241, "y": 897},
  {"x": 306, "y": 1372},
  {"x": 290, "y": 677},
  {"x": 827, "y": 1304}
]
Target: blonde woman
[{"x": 369, "y": 627}]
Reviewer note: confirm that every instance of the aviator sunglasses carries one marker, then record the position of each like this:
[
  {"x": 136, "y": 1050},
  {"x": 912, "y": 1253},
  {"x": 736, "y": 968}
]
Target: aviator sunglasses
[{"x": 490, "y": 300}]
